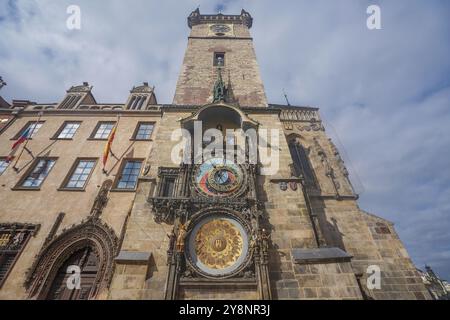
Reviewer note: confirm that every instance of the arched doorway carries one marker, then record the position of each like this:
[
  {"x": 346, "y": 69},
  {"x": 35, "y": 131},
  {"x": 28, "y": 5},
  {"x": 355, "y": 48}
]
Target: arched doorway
[
  {"x": 91, "y": 245},
  {"x": 87, "y": 261}
]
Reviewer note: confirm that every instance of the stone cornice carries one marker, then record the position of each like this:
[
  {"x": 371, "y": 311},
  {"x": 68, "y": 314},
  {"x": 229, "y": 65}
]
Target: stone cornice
[
  {"x": 87, "y": 112},
  {"x": 196, "y": 18}
]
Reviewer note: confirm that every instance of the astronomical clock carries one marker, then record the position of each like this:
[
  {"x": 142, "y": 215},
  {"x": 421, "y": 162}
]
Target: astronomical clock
[
  {"x": 218, "y": 236},
  {"x": 218, "y": 177}
]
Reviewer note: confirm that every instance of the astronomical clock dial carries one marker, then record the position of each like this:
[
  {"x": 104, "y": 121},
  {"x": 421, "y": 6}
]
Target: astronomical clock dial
[
  {"x": 218, "y": 177},
  {"x": 218, "y": 246}
]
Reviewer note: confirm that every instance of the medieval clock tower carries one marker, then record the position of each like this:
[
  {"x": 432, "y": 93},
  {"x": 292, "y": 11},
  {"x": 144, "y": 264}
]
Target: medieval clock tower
[
  {"x": 216, "y": 226},
  {"x": 219, "y": 240}
]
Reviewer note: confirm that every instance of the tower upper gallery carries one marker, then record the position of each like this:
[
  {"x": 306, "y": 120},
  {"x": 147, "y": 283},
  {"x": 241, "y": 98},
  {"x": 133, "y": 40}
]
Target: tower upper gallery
[{"x": 220, "y": 44}]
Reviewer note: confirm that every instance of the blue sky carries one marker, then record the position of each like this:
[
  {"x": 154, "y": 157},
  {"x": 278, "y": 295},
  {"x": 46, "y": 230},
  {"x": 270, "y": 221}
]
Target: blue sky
[{"x": 384, "y": 94}]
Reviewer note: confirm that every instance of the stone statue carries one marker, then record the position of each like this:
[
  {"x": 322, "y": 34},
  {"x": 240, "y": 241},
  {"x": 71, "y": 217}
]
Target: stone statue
[
  {"x": 265, "y": 239},
  {"x": 181, "y": 238}
]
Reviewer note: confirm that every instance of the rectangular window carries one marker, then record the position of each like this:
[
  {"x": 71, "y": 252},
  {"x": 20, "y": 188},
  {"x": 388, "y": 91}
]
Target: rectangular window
[
  {"x": 128, "y": 177},
  {"x": 37, "y": 175},
  {"x": 32, "y": 127},
  {"x": 68, "y": 130},
  {"x": 219, "y": 59},
  {"x": 13, "y": 238},
  {"x": 80, "y": 173},
  {"x": 169, "y": 185},
  {"x": 143, "y": 131},
  {"x": 3, "y": 165},
  {"x": 103, "y": 130}
]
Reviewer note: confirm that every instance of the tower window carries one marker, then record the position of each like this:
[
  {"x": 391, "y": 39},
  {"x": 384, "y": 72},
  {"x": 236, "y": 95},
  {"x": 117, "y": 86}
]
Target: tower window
[
  {"x": 3, "y": 165},
  {"x": 68, "y": 130},
  {"x": 169, "y": 184},
  {"x": 302, "y": 166},
  {"x": 143, "y": 131},
  {"x": 103, "y": 130},
  {"x": 32, "y": 127},
  {"x": 137, "y": 102},
  {"x": 70, "y": 102},
  {"x": 79, "y": 174},
  {"x": 219, "y": 59},
  {"x": 129, "y": 173},
  {"x": 34, "y": 178}
]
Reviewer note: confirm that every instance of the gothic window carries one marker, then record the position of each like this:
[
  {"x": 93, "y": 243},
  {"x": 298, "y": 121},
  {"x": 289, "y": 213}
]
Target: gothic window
[
  {"x": 143, "y": 131},
  {"x": 3, "y": 165},
  {"x": 68, "y": 130},
  {"x": 168, "y": 187},
  {"x": 219, "y": 59},
  {"x": 13, "y": 238},
  {"x": 130, "y": 104},
  {"x": 34, "y": 178},
  {"x": 103, "y": 130},
  {"x": 32, "y": 127},
  {"x": 79, "y": 174},
  {"x": 87, "y": 262},
  {"x": 70, "y": 102},
  {"x": 302, "y": 166},
  {"x": 129, "y": 173},
  {"x": 168, "y": 182},
  {"x": 137, "y": 102}
]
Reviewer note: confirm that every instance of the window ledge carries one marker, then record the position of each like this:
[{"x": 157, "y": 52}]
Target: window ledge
[
  {"x": 72, "y": 189},
  {"x": 25, "y": 189},
  {"x": 122, "y": 190}
]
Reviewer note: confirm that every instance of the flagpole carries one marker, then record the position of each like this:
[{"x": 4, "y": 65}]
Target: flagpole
[
  {"x": 26, "y": 141},
  {"x": 109, "y": 147}
]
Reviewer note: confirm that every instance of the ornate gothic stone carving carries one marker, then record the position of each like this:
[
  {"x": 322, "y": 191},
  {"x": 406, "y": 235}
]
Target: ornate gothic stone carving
[
  {"x": 90, "y": 233},
  {"x": 102, "y": 198}
]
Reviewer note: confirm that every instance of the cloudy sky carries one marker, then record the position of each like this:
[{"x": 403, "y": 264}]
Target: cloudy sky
[{"x": 384, "y": 94}]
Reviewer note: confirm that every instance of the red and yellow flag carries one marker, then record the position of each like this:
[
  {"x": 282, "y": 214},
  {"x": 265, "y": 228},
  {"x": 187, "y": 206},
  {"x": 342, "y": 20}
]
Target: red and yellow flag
[{"x": 107, "y": 149}]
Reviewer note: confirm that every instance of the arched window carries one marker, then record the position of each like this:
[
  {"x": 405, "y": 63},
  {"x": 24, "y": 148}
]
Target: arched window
[
  {"x": 302, "y": 166},
  {"x": 87, "y": 261}
]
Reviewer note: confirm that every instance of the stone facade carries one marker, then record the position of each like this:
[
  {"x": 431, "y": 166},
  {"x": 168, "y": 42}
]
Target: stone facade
[
  {"x": 296, "y": 234},
  {"x": 240, "y": 67}
]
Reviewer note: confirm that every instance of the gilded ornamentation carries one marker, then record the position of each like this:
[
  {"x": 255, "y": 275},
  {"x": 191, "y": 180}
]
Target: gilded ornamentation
[
  {"x": 181, "y": 238},
  {"x": 218, "y": 244}
]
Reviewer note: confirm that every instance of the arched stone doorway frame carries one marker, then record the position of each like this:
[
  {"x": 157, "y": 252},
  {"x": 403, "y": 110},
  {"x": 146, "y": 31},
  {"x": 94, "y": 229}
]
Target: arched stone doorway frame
[{"x": 91, "y": 233}]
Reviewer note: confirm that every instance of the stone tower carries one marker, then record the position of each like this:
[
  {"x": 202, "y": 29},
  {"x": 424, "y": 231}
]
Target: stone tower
[{"x": 214, "y": 41}]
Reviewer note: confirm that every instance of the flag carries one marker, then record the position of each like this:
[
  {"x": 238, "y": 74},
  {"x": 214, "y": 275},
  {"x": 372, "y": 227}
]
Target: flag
[
  {"x": 23, "y": 137},
  {"x": 107, "y": 149}
]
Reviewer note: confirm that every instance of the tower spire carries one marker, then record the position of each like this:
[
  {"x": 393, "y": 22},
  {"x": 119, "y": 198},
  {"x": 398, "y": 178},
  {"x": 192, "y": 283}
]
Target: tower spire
[{"x": 219, "y": 90}]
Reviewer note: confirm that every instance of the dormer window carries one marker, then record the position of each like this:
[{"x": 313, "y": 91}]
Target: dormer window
[
  {"x": 141, "y": 97},
  {"x": 219, "y": 59},
  {"x": 70, "y": 101},
  {"x": 136, "y": 102}
]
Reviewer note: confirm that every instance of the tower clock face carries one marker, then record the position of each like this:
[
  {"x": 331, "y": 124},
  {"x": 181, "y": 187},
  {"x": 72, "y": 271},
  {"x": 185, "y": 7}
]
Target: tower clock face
[
  {"x": 218, "y": 177},
  {"x": 220, "y": 29},
  {"x": 218, "y": 246}
]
